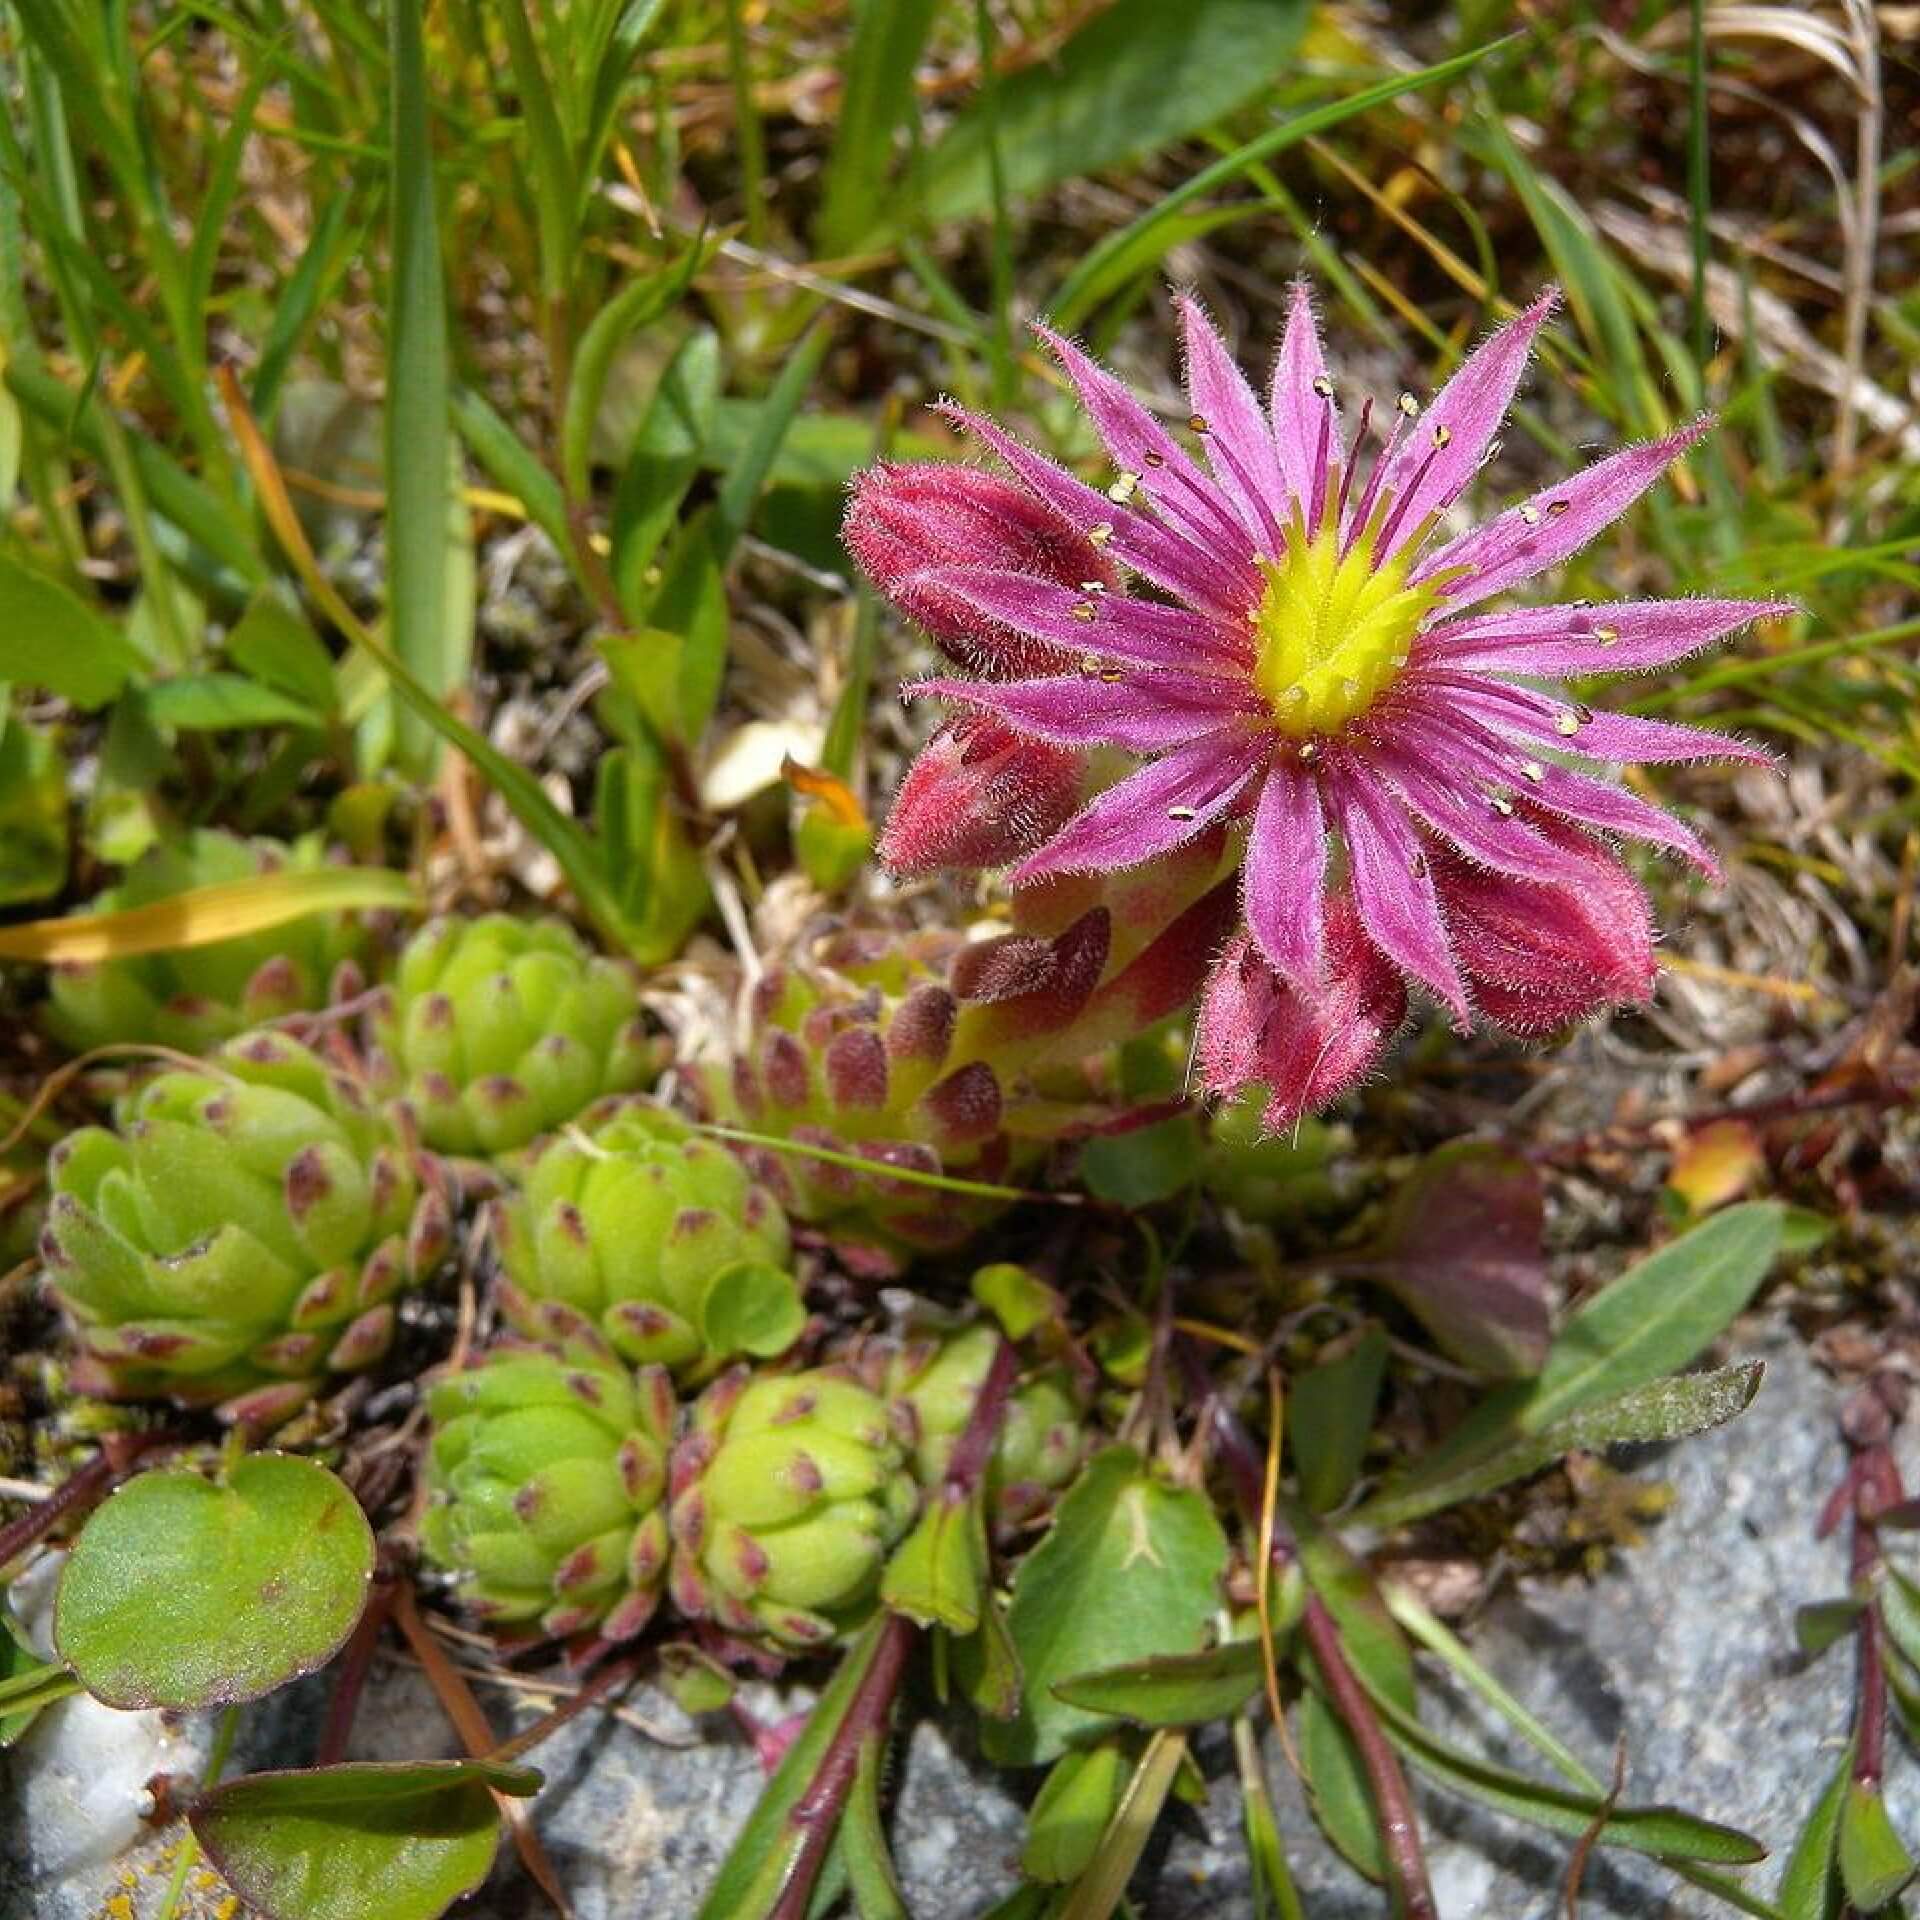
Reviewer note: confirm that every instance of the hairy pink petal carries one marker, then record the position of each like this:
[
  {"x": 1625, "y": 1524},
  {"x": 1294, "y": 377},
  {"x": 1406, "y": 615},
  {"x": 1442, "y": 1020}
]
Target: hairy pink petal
[
  {"x": 1463, "y": 815},
  {"x": 1169, "y": 801},
  {"x": 1144, "y": 712},
  {"x": 1142, "y": 446},
  {"x": 1239, "y": 443},
  {"x": 1580, "y": 730},
  {"x": 1302, "y": 415},
  {"x": 1225, "y": 584},
  {"x": 1541, "y": 957},
  {"x": 1286, "y": 872},
  {"x": 1621, "y": 636},
  {"x": 1308, "y": 1047},
  {"x": 1392, "y": 887},
  {"x": 1112, "y": 626},
  {"x": 1506, "y": 769},
  {"x": 1557, "y": 521},
  {"x": 904, "y": 519},
  {"x": 980, "y": 795},
  {"x": 1432, "y": 466}
]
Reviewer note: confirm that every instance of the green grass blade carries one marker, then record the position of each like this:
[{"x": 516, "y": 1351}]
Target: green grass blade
[
  {"x": 889, "y": 37},
  {"x": 1110, "y": 264},
  {"x": 419, "y": 450},
  {"x": 554, "y": 195}
]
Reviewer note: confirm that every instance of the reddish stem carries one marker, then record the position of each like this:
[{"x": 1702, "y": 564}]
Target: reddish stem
[
  {"x": 115, "y": 1460},
  {"x": 817, "y": 1813},
  {"x": 1399, "y": 1830},
  {"x": 1875, "y": 1483},
  {"x": 356, "y": 1662}
]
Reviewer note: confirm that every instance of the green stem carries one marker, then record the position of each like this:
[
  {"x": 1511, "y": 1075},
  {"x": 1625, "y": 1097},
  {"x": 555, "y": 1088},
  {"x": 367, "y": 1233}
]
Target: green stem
[
  {"x": 746, "y": 115},
  {"x": 189, "y": 1854},
  {"x": 1699, "y": 190}
]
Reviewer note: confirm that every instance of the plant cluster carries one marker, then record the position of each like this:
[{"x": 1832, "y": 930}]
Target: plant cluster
[{"x": 630, "y": 1206}]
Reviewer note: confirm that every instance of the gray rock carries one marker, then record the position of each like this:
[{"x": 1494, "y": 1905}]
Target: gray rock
[{"x": 1683, "y": 1649}]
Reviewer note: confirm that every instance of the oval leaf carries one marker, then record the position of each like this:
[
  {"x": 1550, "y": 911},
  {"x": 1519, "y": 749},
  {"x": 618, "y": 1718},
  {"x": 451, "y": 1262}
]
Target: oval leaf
[
  {"x": 54, "y": 639},
  {"x": 358, "y": 1842},
  {"x": 1130, "y": 1570},
  {"x": 183, "y": 1592}
]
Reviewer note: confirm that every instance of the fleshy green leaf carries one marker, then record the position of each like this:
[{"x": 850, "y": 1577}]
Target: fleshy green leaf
[
  {"x": 1337, "y": 1789},
  {"x": 938, "y": 1573},
  {"x": 27, "y": 1683},
  {"x": 752, "y": 1309},
  {"x": 363, "y": 1841},
  {"x": 273, "y": 643},
  {"x": 1131, "y": 1568},
  {"x": 185, "y": 1592},
  {"x": 1818, "y": 1626}
]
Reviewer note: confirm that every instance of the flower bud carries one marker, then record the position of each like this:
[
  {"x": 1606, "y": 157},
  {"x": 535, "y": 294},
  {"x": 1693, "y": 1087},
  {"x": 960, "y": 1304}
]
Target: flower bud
[{"x": 980, "y": 795}]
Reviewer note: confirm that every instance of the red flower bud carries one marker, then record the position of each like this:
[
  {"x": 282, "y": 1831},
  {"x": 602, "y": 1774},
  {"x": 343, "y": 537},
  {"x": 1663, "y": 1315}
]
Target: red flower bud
[
  {"x": 1538, "y": 957},
  {"x": 905, "y": 519},
  {"x": 1306, "y": 1049},
  {"x": 979, "y": 795}
]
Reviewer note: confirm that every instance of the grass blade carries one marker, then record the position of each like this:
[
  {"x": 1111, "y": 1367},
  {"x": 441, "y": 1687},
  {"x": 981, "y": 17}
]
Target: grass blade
[{"x": 420, "y": 506}]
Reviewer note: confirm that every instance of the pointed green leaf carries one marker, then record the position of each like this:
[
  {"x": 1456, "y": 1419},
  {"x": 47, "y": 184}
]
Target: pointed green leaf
[
  {"x": 1072, "y": 1809},
  {"x": 1874, "y": 1864},
  {"x": 1810, "y": 1885},
  {"x": 50, "y": 637},
  {"x": 1330, "y": 1416},
  {"x": 938, "y": 1574}
]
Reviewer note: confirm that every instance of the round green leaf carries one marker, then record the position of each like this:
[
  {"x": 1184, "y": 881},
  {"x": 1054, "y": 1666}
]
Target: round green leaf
[
  {"x": 752, "y": 1308},
  {"x": 186, "y": 1592},
  {"x": 364, "y": 1841}
]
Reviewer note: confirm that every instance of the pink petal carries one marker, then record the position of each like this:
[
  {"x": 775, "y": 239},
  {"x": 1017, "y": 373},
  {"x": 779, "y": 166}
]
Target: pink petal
[
  {"x": 979, "y": 796},
  {"x": 1220, "y": 582},
  {"x": 1151, "y": 812},
  {"x": 1144, "y": 713},
  {"x": 1556, "y": 522},
  {"x": 1308, "y": 1047},
  {"x": 1540, "y": 957},
  {"x": 1110, "y": 626},
  {"x": 1285, "y": 873},
  {"x": 1140, "y": 445},
  {"x": 1392, "y": 889},
  {"x": 1239, "y": 443},
  {"x": 1621, "y": 636},
  {"x": 1507, "y": 770},
  {"x": 1577, "y": 729},
  {"x": 1303, "y": 417},
  {"x": 1442, "y": 451},
  {"x": 1460, "y": 811}
]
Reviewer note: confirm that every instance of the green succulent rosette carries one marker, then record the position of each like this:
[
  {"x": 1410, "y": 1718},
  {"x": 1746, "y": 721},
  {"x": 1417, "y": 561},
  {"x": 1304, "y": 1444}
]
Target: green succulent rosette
[
  {"x": 931, "y": 1387},
  {"x": 195, "y": 997},
  {"x": 239, "y": 1234},
  {"x": 547, "y": 1483},
  {"x": 634, "y": 1234},
  {"x": 496, "y": 1030},
  {"x": 788, "y": 1492}
]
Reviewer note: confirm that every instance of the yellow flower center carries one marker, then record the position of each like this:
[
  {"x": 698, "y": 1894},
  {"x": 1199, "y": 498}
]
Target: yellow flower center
[{"x": 1333, "y": 630}]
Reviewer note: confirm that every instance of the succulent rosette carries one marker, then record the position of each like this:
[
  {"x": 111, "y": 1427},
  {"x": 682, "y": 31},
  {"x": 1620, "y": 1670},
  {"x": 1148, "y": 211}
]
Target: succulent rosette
[
  {"x": 1296, "y": 642},
  {"x": 547, "y": 1481},
  {"x": 496, "y": 1030},
  {"x": 240, "y": 1233},
  {"x": 633, "y": 1233},
  {"x": 193, "y": 998},
  {"x": 788, "y": 1491},
  {"x": 932, "y": 1385},
  {"x": 924, "y": 1054}
]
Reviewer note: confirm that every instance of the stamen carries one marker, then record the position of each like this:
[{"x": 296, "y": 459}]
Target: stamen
[
  {"x": 1418, "y": 866},
  {"x": 1085, "y": 610},
  {"x": 1197, "y": 423},
  {"x": 1154, "y": 459},
  {"x": 1352, "y": 461},
  {"x": 1566, "y": 723},
  {"x": 1364, "y": 508},
  {"x": 1500, "y": 804},
  {"x": 1409, "y": 407},
  {"x": 1323, "y": 386},
  {"x": 1100, "y": 532},
  {"x": 1309, "y": 751},
  {"x": 1530, "y": 515},
  {"x": 1322, "y": 448},
  {"x": 1606, "y": 636},
  {"x": 1555, "y": 508},
  {"x": 1183, "y": 813},
  {"x": 1253, "y": 492},
  {"x": 1383, "y": 541},
  {"x": 1533, "y": 770},
  {"x": 1442, "y": 439},
  {"x": 1124, "y": 488},
  {"x": 1093, "y": 586}
]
